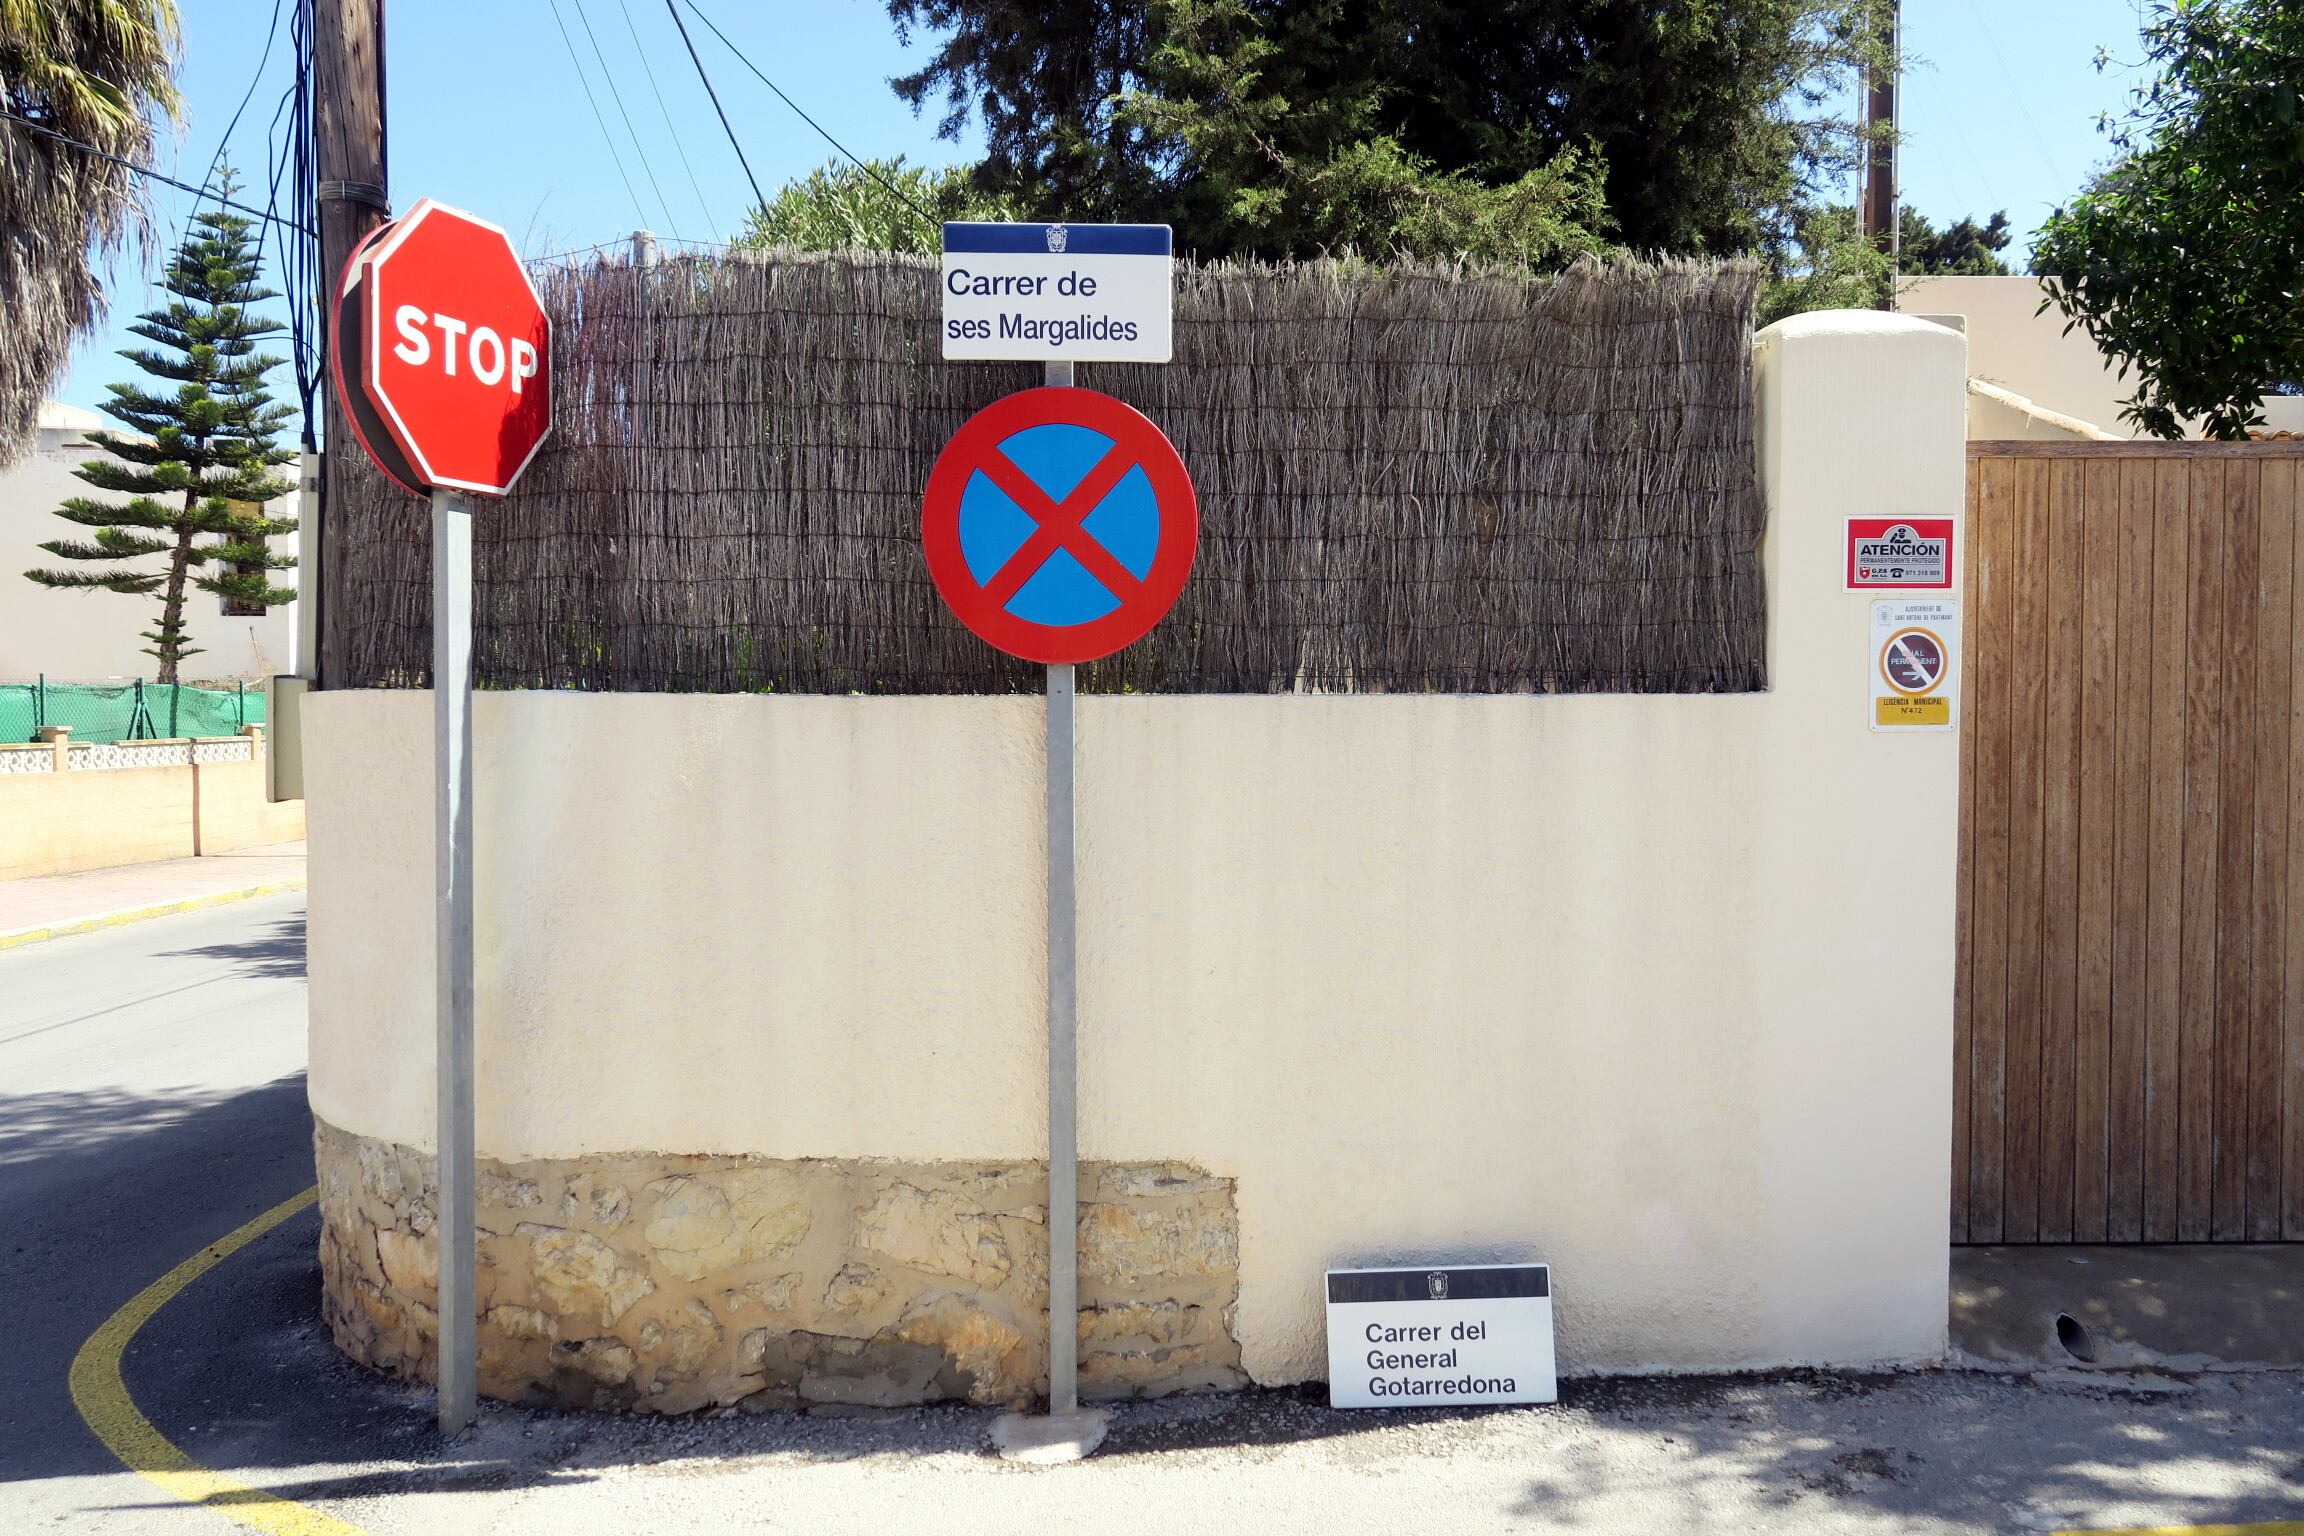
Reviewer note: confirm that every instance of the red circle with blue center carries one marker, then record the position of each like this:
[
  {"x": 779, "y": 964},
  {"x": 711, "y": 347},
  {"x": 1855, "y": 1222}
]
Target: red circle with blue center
[{"x": 1060, "y": 524}]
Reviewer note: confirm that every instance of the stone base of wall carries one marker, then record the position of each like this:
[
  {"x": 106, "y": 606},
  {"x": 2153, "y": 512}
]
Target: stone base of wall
[{"x": 665, "y": 1284}]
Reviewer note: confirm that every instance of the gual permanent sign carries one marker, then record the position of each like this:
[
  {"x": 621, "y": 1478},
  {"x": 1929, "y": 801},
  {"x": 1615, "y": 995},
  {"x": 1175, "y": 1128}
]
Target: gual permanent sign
[
  {"x": 1899, "y": 554},
  {"x": 1078, "y": 292},
  {"x": 1406, "y": 1338},
  {"x": 1059, "y": 524},
  {"x": 1915, "y": 665}
]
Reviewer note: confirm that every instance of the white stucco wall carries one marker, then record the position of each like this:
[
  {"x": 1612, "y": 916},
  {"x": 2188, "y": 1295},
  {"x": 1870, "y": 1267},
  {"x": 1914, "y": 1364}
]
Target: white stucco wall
[
  {"x": 1656, "y": 988},
  {"x": 89, "y": 636}
]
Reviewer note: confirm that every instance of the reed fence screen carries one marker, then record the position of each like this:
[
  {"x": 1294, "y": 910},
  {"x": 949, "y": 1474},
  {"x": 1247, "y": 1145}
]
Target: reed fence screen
[{"x": 1410, "y": 480}]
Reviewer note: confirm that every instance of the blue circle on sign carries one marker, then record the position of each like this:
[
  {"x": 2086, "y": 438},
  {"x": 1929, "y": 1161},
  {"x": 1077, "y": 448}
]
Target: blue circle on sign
[{"x": 1057, "y": 457}]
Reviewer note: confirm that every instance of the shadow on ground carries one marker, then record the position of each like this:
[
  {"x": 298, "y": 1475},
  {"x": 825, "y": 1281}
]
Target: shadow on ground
[{"x": 277, "y": 954}]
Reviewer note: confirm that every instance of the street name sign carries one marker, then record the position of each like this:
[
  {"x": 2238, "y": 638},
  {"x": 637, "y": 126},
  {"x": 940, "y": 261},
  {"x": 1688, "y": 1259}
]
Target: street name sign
[
  {"x": 1060, "y": 524},
  {"x": 1412, "y": 1338},
  {"x": 1915, "y": 664},
  {"x": 1899, "y": 554},
  {"x": 1091, "y": 293}
]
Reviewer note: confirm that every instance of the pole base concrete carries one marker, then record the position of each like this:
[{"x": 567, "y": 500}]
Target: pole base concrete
[{"x": 1049, "y": 1439}]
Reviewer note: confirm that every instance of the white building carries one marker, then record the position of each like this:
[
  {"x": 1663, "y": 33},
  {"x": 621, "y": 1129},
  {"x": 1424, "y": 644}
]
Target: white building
[
  {"x": 2016, "y": 349},
  {"x": 91, "y": 636}
]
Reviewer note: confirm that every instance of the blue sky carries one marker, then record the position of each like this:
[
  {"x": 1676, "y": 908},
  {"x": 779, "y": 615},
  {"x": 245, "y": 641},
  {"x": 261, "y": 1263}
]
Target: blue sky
[{"x": 486, "y": 112}]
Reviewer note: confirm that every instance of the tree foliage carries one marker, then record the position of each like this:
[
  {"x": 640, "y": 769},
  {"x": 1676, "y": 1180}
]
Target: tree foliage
[
  {"x": 97, "y": 71},
  {"x": 1831, "y": 263},
  {"x": 1534, "y": 129},
  {"x": 1962, "y": 248},
  {"x": 882, "y": 205},
  {"x": 2185, "y": 257},
  {"x": 202, "y": 452}
]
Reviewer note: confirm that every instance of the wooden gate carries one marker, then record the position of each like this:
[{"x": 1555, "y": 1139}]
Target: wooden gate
[{"x": 2130, "y": 996}]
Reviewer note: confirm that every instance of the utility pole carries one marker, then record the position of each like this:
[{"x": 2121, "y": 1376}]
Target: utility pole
[
  {"x": 349, "y": 166},
  {"x": 1881, "y": 221}
]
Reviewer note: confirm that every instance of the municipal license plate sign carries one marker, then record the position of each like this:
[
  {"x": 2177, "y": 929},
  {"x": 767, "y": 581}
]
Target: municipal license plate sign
[{"x": 1406, "y": 1338}]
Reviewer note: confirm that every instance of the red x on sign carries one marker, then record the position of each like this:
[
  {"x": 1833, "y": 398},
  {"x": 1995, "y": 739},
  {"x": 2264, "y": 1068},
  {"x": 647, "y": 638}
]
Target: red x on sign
[{"x": 1059, "y": 524}]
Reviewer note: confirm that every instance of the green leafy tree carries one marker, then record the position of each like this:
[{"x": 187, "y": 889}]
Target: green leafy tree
[
  {"x": 841, "y": 206},
  {"x": 2184, "y": 258},
  {"x": 1829, "y": 263},
  {"x": 1277, "y": 148},
  {"x": 200, "y": 463},
  {"x": 1286, "y": 127},
  {"x": 1963, "y": 248},
  {"x": 95, "y": 71}
]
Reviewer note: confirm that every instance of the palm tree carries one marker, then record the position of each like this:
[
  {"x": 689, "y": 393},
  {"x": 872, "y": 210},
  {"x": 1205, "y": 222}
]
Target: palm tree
[{"x": 96, "y": 71}]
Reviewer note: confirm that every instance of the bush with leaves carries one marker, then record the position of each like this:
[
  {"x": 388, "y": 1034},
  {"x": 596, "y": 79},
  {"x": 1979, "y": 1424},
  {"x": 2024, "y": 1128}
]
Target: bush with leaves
[{"x": 881, "y": 205}]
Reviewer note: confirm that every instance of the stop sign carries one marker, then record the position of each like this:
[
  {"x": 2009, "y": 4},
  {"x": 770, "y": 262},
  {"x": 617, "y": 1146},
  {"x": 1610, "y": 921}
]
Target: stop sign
[{"x": 455, "y": 350}]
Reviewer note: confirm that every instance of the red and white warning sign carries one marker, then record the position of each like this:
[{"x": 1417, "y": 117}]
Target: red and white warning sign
[
  {"x": 1915, "y": 665},
  {"x": 1899, "y": 554}
]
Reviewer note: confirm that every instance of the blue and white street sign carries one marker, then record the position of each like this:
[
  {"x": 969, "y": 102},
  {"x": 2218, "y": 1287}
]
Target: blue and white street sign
[{"x": 1092, "y": 293}]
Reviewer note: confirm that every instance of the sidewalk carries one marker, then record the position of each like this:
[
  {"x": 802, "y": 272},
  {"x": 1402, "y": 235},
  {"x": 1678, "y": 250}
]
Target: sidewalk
[{"x": 55, "y": 905}]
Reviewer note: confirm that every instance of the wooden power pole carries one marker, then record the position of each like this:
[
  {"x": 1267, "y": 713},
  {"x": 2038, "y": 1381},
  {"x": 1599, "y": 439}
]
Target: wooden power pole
[
  {"x": 1881, "y": 220},
  {"x": 349, "y": 166}
]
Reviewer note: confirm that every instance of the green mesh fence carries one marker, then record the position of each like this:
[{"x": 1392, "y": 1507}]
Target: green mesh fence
[{"x": 130, "y": 711}]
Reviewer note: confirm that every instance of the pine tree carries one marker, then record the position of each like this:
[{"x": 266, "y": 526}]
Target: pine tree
[{"x": 199, "y": 450}]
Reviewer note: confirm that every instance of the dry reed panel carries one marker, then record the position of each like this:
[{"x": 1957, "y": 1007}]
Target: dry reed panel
[{"x": 1410, "y": 480}]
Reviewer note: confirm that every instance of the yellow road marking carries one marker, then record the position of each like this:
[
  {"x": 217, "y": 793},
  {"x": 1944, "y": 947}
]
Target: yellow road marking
[
  {"x": 102, "y": 1398},
  {"x": 2273, "y": 1528},
  {"x": 138, "y": 914}
]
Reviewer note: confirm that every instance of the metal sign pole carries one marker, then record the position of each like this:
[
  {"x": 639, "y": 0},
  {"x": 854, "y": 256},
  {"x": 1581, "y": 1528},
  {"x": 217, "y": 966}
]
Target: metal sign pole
[
  {"x": 1063, "y": 1019},
  {"x": 454, "y": 1221},
  {"x": 1063, "y": 1022}
]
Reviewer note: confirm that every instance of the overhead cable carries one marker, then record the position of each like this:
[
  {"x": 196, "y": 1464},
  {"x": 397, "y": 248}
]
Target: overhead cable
[
  {"x": 639, "y": 151},
  {"x": 893, "y": 190},
  {"x": 605, "y": 136},
  {"x": 144, "y": 170},
  {"x": 678, "y": 148},
  {"x": 726, "y": 127}
]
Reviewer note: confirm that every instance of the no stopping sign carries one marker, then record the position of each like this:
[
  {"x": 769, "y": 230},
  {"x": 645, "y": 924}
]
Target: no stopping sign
[{"x": 1059, "y": 524}]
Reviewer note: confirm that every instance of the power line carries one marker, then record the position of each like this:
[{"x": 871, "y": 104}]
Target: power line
[
  {"x": 605, "y": 136},
  {"x": 145, "y": 170},
  {"x": 757, "y": 199},
  {"x": 271, "y": 36},
  {"x": 678, "y": 148},
  {"x": 617, "y": 96},
  {"x": 893, "y": 190}
]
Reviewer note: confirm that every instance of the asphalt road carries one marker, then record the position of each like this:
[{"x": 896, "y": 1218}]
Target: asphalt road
[{"x": 151, "y": 1100}]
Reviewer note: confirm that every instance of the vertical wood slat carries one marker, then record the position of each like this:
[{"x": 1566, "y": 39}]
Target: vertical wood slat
[
  {"x": 1964, "y": 959},
  {"x": 2027, "y": 697},
  {"x": 2202, "y": 784},
  {"x": 2235, "y": 858},
  {"x": 2130, "y": 963},
  {"x": 1987, "y": 1045},
  {"x": 2163, "y": 1056},
  {"x": 2095, "y": 866},
  {"x": 2291, "y": 486},
  {"x": 2270, "y": 715},
  {"x": 2059, "y": 588}
]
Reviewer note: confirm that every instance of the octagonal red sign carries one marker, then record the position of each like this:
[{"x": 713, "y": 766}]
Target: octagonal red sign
[{"x": 455, "y": 349}]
